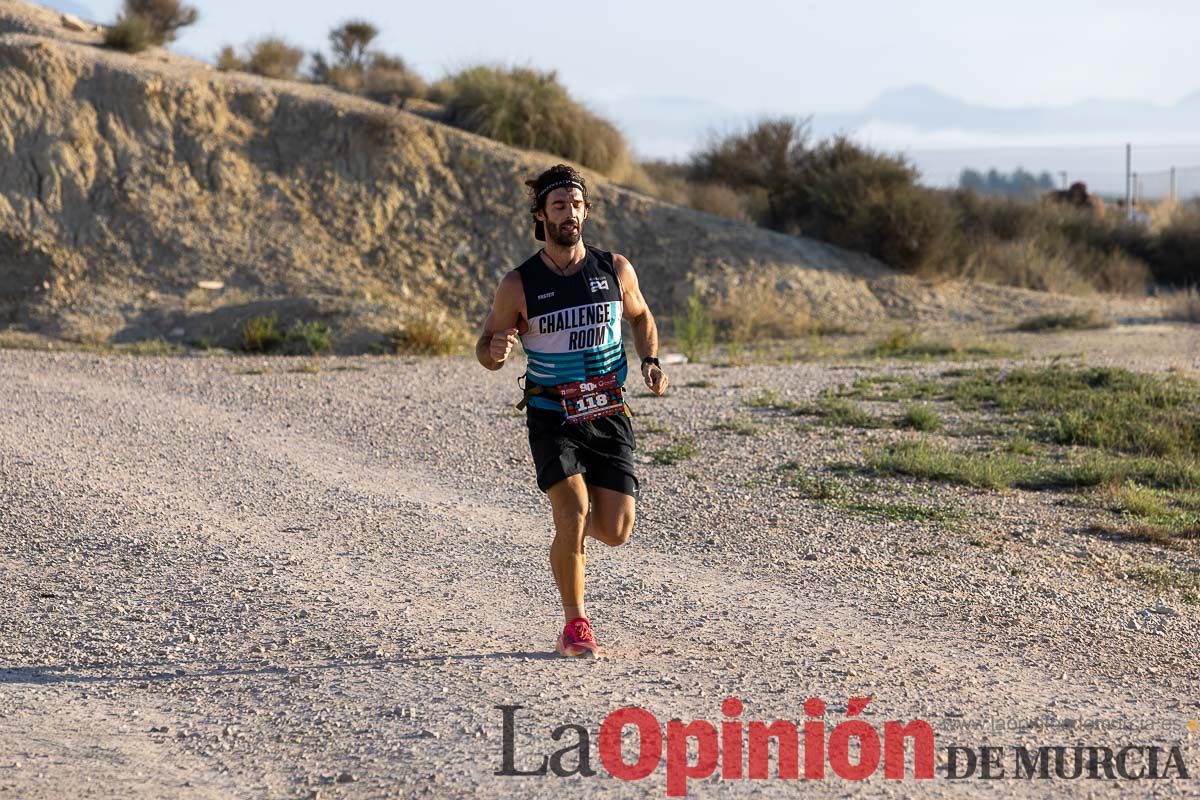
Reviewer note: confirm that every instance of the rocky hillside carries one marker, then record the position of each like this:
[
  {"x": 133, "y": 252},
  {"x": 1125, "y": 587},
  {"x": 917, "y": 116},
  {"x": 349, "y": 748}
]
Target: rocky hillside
[{"x": 127, "y": 181}]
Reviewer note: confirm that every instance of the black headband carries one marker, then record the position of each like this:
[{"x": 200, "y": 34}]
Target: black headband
[{"x": 559, "y": 185}]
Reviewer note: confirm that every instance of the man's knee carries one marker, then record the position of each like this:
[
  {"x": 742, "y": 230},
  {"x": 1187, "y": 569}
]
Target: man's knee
[
  {"x": 621, "y": 535},
  {"x": 570, "y": 518},
  {"x": 616, "y": 532}
]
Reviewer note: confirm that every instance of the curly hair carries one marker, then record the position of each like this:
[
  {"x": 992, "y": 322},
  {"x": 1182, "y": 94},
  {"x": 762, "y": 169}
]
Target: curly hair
[{"x": 553, "y": 178}]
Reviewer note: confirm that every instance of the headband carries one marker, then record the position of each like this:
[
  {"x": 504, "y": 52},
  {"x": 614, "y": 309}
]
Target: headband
[{"x": 559, "y": 185}]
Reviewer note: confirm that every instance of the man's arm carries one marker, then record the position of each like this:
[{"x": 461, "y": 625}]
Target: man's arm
[
  {"x": 500, "y": 328},
  {"x": 645, "y": 331}
]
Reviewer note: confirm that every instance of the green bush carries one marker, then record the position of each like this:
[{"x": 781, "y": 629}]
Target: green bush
[
  {"x": 868, "y": 201},
  {"x": 694, "y": 329},
  {"x": 837, "y": 191},
  {"x": 261, "y": 334},
  {"x": 762, "y": 162},
  {"x": 308, "y": 338},
  {"x": 531, "y": 109},
  {"x": 131, "y": 34},
  {"x": 920, "y": 418}
]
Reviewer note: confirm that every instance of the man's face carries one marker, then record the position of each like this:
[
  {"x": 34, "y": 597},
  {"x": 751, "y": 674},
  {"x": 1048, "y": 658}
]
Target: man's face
[{"x": 563, "y": 215}]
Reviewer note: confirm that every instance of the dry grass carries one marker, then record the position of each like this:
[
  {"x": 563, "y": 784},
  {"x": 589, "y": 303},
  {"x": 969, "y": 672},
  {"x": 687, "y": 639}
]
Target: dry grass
[
  {"x": 1183, "y": 305},
  {"x": 754, "y": 311},
  {"x": 1065, "y": 321},
  {"x": 431, "y": 332}
]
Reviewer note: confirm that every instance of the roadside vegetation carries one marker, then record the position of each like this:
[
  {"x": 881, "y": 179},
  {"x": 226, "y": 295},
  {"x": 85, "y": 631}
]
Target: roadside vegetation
[
  {"x": 772, "y": 173},
  {"x": 262, "y": 334},
  {"x": 1121, "y": 447},
  {"x": 1129, "y": 441}
]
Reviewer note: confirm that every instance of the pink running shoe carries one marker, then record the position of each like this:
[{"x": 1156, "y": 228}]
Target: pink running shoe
[{"x": 578, "y": 640}]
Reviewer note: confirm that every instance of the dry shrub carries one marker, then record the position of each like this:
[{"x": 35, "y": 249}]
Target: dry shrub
[
  {"x": 1183, "y": 305},
  {"x": 755, "y": 310},
  {"x": 388, "y": 79},
  {"x": 527, "y": 108},
  {"x": 717, "y": 199},
  {"x": 1022, "y": 263},
  {"x": 868, "y": 201},
  {"x": 439, "y": 91},
  {"x": 228, "y": 60},
  {"x": 837, "y": 191},
  {"x": 163, "y": 18},
  {"x": 272, "y": 57},
  {"x": 1176, "y": 258},
  {"x": 767, "y": 155},
  {"x": 431, "y": 332},
  {"x": 131, "y": 34},
  {"x": 669, "y": 182},
  {"x": 388, "y": 85}
]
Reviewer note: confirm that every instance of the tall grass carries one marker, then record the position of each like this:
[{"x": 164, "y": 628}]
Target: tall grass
[{"x": 694, "y": 329}]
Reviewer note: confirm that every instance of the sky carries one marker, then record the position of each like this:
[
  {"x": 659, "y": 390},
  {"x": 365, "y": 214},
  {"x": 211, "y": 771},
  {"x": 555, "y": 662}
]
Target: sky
[
  {"x": 751, "y": 57},
  {"x": 753, "y": 54}
]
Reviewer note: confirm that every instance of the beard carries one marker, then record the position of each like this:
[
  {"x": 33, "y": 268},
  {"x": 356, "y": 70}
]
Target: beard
[{"x": 565, "y": 235}]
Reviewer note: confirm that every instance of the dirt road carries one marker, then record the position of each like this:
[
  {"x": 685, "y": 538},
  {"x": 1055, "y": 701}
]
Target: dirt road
[{"x": 224, "y": 582}]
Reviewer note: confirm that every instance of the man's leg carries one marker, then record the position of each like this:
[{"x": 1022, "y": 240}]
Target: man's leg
[
  {"x": 610, "y": 519},
  {"x": 569, "y": 500}
]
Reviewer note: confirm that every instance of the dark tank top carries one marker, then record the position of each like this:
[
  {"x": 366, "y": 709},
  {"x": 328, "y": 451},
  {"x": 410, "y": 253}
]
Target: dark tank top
[{"x": 574, "y": 323}]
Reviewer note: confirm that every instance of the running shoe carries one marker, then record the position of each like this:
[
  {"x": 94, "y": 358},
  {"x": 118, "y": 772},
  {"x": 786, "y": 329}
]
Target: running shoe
[{"x": 578, "y": 640}]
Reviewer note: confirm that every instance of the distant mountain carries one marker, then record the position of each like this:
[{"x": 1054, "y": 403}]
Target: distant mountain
[
  {"x": 925, "y": 109},
  {"x": 918, "y": 116}
]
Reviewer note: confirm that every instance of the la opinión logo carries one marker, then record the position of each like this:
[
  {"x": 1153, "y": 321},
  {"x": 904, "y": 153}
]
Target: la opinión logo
[
  {"x": 738, "y": 748},
  {"x": 853, "y": 750}
]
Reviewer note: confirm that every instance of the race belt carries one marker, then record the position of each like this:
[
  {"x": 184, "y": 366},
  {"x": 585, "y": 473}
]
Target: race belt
[{"x": 583, "y": 401}]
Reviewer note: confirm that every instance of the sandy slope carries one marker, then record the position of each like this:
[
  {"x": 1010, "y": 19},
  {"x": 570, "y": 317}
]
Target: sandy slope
[{"x": 225, "y": 584}]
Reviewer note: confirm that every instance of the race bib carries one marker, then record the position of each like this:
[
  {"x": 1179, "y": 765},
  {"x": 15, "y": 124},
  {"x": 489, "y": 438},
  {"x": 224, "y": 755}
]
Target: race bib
[{"x": 591, "y": 399}]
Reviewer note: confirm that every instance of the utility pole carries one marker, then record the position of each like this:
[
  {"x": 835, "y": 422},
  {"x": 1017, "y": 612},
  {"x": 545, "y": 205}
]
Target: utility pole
[
  {"x": 1062, "y": 174},
  {"x": 1129, "y": 181}
]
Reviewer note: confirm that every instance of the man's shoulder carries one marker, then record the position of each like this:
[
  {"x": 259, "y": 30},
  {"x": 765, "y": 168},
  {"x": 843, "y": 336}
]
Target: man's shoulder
[
  {"x": 511, "y": 280},
  {"x": 622, "y": 266}
]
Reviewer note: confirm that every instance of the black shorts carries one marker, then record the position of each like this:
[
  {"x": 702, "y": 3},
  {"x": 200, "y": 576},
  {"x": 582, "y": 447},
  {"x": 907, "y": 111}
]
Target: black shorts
[{"x": 600, "y": 450}]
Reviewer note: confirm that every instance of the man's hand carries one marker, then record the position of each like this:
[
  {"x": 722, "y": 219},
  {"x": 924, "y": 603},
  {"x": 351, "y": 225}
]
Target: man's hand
[
  {"x": 656, "y": 379},
  {"x": 502, "y": 344}
]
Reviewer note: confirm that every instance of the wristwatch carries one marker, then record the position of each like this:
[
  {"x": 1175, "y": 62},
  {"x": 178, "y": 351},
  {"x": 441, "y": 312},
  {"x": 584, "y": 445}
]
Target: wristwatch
[{"x": 650, "y": 360}]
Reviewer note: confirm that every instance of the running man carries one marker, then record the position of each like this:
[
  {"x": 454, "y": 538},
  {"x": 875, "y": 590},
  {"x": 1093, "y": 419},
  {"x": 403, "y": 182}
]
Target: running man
[{"x": 566, "y": 303}]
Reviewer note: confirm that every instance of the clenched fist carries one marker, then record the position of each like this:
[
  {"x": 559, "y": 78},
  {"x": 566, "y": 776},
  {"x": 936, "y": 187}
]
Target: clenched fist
[
  {"x": 656, "y": 379},
  {"x": 502, "y": 344}
]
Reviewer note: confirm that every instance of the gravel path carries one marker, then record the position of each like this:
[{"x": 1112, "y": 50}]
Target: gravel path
[{"x": 225, "y": 583}]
